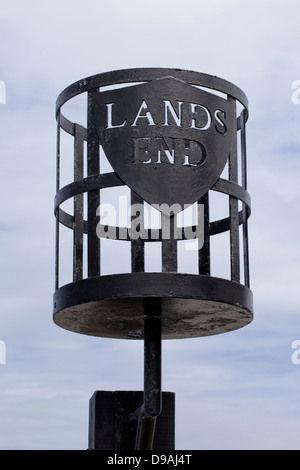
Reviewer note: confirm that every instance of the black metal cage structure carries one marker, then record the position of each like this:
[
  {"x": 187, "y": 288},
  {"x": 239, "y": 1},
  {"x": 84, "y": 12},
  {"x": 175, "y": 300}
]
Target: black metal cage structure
[
  {"x": 112, "y": 305},
  {"x": 156, "y": 294}
]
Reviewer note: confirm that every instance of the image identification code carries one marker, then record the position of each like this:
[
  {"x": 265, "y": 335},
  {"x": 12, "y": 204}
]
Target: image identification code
[{"x": 162, "y": 459}]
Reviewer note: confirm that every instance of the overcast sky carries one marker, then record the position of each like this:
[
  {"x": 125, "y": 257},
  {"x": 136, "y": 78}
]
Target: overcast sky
[{"x": 239, "y": 390}]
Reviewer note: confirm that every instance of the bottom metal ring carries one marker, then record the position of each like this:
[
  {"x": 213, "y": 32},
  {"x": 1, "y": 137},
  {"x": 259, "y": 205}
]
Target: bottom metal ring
[{"x": 192, "y": 306}]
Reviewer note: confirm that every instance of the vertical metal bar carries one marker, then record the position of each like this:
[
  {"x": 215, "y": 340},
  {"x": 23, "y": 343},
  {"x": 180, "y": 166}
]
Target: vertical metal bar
[
  {"x": 233, "y": 208},
  {"x": 137, "y": 245},
  {"x": 204, "y": 252},
  {"x": 152, "y": 356},
  {"x": 169, "y": 242},
  {"x": 93, "y": 168},
  {"x": 145, "y": 432},
  {"x": 152, "y": 374},
  {"x": 244, "y": 183},
  {"x": 78, "y": 205},
  {"x": 57, "y": 213}
]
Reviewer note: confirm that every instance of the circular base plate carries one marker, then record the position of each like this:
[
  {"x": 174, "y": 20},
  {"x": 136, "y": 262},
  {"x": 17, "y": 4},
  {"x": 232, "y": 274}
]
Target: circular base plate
[
  {"x": 181, "y": 318},
  {"x": 191, "y": 306}
]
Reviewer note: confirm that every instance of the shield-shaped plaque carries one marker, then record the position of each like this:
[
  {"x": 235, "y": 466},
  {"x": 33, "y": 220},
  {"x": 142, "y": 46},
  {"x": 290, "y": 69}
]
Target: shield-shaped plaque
[{"x": 167, "y": 140}]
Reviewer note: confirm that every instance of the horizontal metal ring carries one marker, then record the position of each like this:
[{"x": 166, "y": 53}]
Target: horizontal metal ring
[
  {"x": 106, "y": 180},
  {"x": 192, "y": 305},
  {"x": 90, "y": 183},
  {"x": 215, "y": 227},
  {"x": 147, "y": 74}
]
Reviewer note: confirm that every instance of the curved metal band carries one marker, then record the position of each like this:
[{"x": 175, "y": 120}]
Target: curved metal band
[
  {"x": 90, "y": 183},
  {"x": 233, "y": 189},
  {"x": 107, "y": 180},
  {"x": 146, "y": 74},
  {"x": 139, "y": 285},
  {"x": 216, "y": 227}
]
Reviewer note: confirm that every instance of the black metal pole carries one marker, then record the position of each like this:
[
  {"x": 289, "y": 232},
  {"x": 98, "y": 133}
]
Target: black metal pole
[{"x": 152, "y": 375}]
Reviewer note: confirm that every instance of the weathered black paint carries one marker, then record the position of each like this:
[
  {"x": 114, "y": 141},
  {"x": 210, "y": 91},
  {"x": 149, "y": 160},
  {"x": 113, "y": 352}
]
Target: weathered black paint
[
  {"x": 167, "y": 140},
  {"x": 121, "y": 120},
  {"x": 168, "y": 137}
]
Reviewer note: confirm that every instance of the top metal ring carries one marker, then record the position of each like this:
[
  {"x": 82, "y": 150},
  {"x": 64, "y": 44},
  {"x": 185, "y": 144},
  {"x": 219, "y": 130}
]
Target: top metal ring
[{"x": 147, "y": 74}]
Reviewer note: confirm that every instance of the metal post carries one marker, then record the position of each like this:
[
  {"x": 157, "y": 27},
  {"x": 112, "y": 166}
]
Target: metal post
[
  {"x": 152, "y": 375},
  {"x": 170, "y": 160}
]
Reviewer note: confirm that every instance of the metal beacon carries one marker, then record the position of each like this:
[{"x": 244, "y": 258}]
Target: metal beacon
[{"x": 171, "y": 143}]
